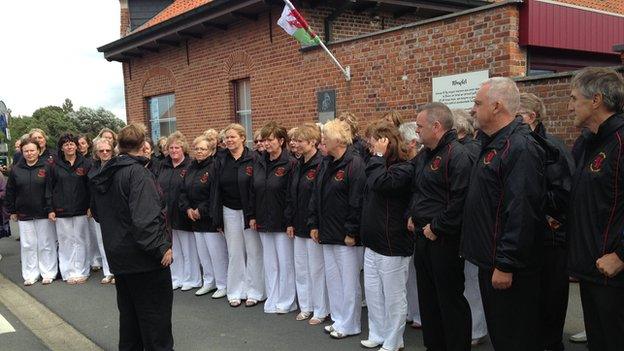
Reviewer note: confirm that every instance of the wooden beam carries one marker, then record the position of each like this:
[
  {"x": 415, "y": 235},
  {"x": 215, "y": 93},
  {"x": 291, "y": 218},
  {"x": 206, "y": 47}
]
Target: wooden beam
[
  {"x": 148, "y": 48},
  {"x": 132, "y": 55},
  {"x": 188, "y": 34},
  {"x": 168, "y": 42},
  {"x": 239, "y": 14},
  {"x": 209, "y": 25}
]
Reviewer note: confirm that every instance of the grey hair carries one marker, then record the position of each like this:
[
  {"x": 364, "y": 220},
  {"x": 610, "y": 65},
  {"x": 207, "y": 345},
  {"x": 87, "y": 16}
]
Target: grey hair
[
  {"x": 437, "y": 111},
  {"x": 505, "y": 91},
  {"x": 604, "y": 81},
  {"x": 408, "y": 131},
  {"x": 463, "y": 122},
  {"x": 100, "y": 140}
]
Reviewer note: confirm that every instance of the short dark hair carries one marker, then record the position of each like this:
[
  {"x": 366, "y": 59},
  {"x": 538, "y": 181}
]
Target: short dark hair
[
  {"x": 272, "y": 128},
  {"x": 28, "y": 140},
  {"x": 131, "y": 138},
  {"x": 437, "y": 111},
  {"x": 67, "y": 138}
]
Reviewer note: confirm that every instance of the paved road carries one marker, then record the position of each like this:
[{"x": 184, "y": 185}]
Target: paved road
[
  {"x": 19, "y": 339},
  {"x": 200, "y": 323}
]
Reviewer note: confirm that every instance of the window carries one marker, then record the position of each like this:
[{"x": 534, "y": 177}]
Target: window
[
  {"x": 242, "y": 101},
  {"x": 162, "y": 115}
]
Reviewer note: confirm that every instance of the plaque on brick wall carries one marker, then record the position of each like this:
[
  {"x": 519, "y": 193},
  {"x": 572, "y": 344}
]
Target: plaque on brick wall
[
  {"x": 458, "y": 90},
  {"x": 326, "y": 105}
]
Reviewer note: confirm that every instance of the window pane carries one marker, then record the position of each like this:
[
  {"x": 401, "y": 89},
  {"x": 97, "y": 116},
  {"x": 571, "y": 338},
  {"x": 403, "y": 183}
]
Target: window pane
[
  {"x": 243, "y": 107},
  {"x": 162, "y": 115}
]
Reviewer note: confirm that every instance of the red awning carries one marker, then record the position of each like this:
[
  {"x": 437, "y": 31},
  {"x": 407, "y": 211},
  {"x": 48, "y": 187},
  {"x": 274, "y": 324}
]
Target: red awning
[{"x": 549, "y": 24}]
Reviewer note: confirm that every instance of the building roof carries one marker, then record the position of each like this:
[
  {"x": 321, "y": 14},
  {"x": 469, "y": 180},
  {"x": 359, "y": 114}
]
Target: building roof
[{"x": 177, "y": 8}]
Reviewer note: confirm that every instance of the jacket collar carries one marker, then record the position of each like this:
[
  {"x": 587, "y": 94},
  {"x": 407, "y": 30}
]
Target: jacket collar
[
  {"x": 498, "y": 139},
  {"x": 608, "y": 127},
  {"x": 346, "y": 158},
  {"x": 283, "y": 158},
  {"x": 446, "y": 139},
  {"x": 168, "y": 162},
  {"x": 312, "y": 162},
  {"x": 64, "y": 164}
]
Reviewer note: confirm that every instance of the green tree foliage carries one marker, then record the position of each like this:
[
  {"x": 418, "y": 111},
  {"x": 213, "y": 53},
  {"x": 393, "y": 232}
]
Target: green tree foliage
[{"x": 55, "y": 121}]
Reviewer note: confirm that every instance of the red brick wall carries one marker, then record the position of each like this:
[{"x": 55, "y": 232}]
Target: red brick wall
[
  {"x": 124, "y": 27},
  {"x": 615, "y": 6},
  {"x": 284, "y": 80}
]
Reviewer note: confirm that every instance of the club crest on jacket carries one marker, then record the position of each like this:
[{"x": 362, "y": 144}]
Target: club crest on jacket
[
  {"x": 339, "y": 176},
  {"x": 80, "y": 171},
  {"x": 249, "y": 171},
  {"x": 183, "y": 173},
  {"x": 311, "y": 174},
  {"x": 596, "y": 164},
  {"x": 280, "y": 171},
  {"x": 435, "y": 164},
  {"x": 41, "y": 173},
  {"x": 204, "y": 178},
  {"x": 489, "y": 157}
]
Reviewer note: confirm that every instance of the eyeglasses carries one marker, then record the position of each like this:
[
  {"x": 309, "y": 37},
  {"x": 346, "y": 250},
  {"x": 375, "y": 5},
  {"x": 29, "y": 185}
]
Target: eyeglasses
[
  {"x": 104, "y": 151},
  {"x": 201, "y": 149}
]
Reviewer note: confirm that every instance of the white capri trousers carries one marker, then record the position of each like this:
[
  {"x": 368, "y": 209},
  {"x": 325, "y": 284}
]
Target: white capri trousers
[
  {"x": 38, "y": 249},
  {"x": 413, "y": 309},
  {"x": 473, "y": 295},
  {"x": 100, "y": 246},
  {"x": 245, "y": 279},
  {"x": 310, "y": 277},
  {"x": 95, "y": 255},
  {"x": 385, "y": 279},
  {"x": 279, "y": 272},
  {"x": 73, "y": 246},
  {"x": 185, "y": 271},
  {"x": 342, "y": 274},
  {"x": 213, "y": 255}
]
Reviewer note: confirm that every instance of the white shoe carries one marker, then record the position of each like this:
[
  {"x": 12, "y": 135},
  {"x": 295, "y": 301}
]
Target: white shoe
[
  {"x": 186, "y": 288},
  {"x": 202, "y": 291},
  {"x": 337, "y": 335},
  {"x": 47, "y": 281},
  {"x": 176, "y": 287},
  {"x": 369, "y": 344},
  {"x": 29, "y": 282},
  {"x": 579, "y": 337},
  {"x": 219, "y": 294},
  {"x": 329, "y": 329}
]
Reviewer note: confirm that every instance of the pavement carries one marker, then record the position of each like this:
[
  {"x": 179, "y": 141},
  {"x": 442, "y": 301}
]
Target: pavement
[{"x": 199, "y": 323}]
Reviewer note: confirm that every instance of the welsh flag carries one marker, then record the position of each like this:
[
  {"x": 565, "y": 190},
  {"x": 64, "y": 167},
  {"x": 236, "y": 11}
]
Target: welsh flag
[{"x": 295, "y": 25}]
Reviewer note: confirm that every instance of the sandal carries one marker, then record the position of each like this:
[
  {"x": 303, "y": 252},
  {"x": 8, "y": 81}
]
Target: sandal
[
  {"x": 107, "y": 280},
  {"x": 251, "y": 303},
  {"x": 235, "y": 303},
  {"x": 302, "y": 316},
  {"x": 47, "y": 281},
  {"x": 29, "y": 282},
  {"x": 317, "y": 320}
]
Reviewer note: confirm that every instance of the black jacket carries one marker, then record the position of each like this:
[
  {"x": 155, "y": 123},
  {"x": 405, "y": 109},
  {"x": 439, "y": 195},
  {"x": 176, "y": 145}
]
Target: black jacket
[
  {"x": 244, "y": 176},
  {"x": 440, "y": 186},
  {"x": 473, "y": 146},
  {"x": 304, "y": 177},
  {"x": 132, "y": 215},
  {"x": 596, "y": 219},
  {"x": 197, "y": 192},
  {"x": 70, "y": 187},
  {"x": 558, "y": 185},
  {"x": 96, "y": 165},
  {"x": 386, "y": 196},
  {"x": 270, "y": 194},
  {"x": 49, "y": 156},
  {"x": 27, "y": 193},
  {"x": 170, "y": 180},
  {"x": 336, "y": 203},
  {"x": 503, "y": 218},
  {"x": 359, "y": 146}
]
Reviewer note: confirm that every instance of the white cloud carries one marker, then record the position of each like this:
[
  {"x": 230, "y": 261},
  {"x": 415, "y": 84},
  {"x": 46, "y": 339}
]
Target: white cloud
[{"x": 48, "y": 52}]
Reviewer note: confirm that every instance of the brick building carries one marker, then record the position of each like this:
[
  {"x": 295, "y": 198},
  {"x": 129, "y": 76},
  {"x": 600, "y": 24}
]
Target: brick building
[{"x": 194, "y": 64}]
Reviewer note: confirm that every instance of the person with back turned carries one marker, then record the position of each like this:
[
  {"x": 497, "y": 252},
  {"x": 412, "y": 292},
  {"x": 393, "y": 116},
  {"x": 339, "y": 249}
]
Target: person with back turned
[{"x": 132, "y": 212}]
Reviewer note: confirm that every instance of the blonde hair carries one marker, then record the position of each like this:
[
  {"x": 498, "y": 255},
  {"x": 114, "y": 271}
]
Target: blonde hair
[
  {"x": 393, "y": 117},
  {"x": 108, "y": 130},
  {"x": 351, "y": 121},
  {"x": 338, "y": 130},
  {"x": 211, "y": 134},
  {"x": 532, "y": 103},
  {"x": 37, "y": 130},
  {"x": 308, "y": 132},
  {"x": 179, "y": 138},
  {"x": 211, "y": 141},
  {"x": 462, "y": 121},
  {"x": 239, "y": 129}
]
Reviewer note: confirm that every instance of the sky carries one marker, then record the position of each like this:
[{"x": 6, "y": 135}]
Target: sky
[{"x": 48, "y": 52}]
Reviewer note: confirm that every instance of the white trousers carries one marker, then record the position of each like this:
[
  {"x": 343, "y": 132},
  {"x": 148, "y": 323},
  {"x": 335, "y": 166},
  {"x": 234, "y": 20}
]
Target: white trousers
[
  {"x": 310, "y": 277},
  {"x": 413, "y": 309},
  {"x": 245, "y": 278},
  {"x": 95, "y": 255},
  {"x": 279, "y": 272},
  {"x": 73, "y": 251},
  {"x": 342, "y": 275},
  {"x": 185, "y": 271},
  {"x": 213, "y": 255},
  {"x": 385, "y": 279},
  {"x": 100, "y": 246},
  {"x": 473, "y": 295},
  {"x": 38, "y": 249}
]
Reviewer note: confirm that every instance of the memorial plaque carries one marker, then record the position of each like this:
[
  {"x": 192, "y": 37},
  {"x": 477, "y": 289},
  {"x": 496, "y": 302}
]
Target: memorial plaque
[
  {"x": 326, "y": 105},
  {"x": 458, "y": 90}
]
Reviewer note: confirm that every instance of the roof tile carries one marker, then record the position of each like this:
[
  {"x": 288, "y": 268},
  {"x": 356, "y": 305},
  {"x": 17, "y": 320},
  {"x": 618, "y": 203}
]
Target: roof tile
[{"x": 177, "y": 8}]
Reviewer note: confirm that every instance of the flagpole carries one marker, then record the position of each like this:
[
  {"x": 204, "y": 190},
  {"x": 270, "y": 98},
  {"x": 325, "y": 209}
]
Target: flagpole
[{"x": 346, "y": 71}]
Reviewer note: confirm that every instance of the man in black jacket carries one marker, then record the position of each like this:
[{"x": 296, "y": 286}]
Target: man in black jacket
[
  {"x": 132, "y": 215},
  {"x": 554, "y": 276},
  {"x": 596, "y": 255},
  {"x": 503, "y": 218},
  {"x": 442, "y": 174}
]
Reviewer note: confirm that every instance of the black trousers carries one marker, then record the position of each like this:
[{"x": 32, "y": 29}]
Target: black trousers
[
  {"x": 145, "y": 301},
  {"x": 603, "y": 309},
  {"x": 555, "y": 288},
  {"x": 444, "y": 311},
  {"x": 512, "y": 314}
]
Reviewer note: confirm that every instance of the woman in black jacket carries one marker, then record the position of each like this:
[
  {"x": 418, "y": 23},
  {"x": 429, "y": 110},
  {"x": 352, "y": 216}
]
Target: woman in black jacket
[
  {"x": 70, "y": 202},
  {"x": 388, "y": 244},
  {"x": 272, "y": 175},
  {"x": 196, "y": 200},
  {"x": 103, "y": 151},
  {"x": 47, "y": 154},
  {"x": 28, "y": 202},
  {"x": 185, "y": 271},
  {"x": 309, "y": 266},
  {"x": 335, "y": 211},
  {"x": 235, "y": 170}
]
